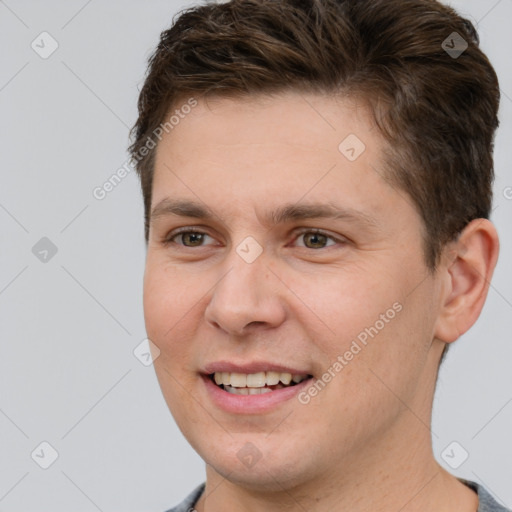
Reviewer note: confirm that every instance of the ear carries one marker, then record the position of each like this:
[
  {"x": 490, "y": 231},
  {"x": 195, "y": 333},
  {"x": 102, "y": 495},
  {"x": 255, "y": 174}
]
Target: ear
[{"x": 466, "y": 273}]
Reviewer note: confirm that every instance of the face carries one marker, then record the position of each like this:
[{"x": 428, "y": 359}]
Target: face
[{"x": 286, "y": 290}]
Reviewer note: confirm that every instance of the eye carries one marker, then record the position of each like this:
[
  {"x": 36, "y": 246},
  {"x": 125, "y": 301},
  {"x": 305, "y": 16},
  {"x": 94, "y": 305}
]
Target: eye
[
  {"x": 312, "y": 238},
  {"x": 316, "y": 239},
  {"x": 187, "y": 238}
]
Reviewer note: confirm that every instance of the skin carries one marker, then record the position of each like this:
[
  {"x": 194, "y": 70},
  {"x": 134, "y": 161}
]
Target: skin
[{"x": 364, "y": 441}]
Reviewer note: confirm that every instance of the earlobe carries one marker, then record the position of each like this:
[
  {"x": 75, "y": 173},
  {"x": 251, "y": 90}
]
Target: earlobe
[{"x": 467, "y": 276}]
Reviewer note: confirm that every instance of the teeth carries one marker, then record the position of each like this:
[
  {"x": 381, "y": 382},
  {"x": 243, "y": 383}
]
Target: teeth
[
  {"x": 247, "y": 391},
  {"x": 256, "y": 381},
  {"x": 285, "y": 378},
  {"x": 272, "y": 378},
  {"x": 238, "y": 380}
]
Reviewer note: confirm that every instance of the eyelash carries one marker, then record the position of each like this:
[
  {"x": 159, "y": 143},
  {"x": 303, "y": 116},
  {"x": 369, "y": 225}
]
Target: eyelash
[{"x": 169, "y": 239}]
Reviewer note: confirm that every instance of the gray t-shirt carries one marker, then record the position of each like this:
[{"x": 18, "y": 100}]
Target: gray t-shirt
[{"x": 487, "y": 502}]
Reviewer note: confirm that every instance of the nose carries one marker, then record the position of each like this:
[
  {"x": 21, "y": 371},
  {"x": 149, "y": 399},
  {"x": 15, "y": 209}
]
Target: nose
[{"x": 248, "y": 298}]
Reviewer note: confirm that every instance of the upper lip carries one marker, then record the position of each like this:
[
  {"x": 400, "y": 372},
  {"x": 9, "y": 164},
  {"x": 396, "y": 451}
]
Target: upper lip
[{"x": 252, "y": 367}]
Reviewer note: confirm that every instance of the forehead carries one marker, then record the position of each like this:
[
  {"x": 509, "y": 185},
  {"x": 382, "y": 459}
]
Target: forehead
[
  {"x": 265, "y": 153},
  {"x": 294, "y": 128},
  {"x": 317, "y": 122}
]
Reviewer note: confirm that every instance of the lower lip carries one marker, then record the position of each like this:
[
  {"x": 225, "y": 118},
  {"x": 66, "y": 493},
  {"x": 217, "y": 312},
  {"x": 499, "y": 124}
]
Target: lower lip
[{"x": 251, "y": 404}]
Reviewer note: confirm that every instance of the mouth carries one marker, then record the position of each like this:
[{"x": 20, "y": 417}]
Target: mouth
[
  {"x": 253, "y": 387},
  {"x": 256, "y": 383}
]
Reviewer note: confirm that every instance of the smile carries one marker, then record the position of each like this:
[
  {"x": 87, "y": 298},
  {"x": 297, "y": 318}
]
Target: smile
[{"x": 256, "y": 383}]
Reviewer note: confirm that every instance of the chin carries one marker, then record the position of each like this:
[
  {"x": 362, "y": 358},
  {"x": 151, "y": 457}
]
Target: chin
[
  {"x": 268, "y": 478},
  {"x": 273, "y": 468}
]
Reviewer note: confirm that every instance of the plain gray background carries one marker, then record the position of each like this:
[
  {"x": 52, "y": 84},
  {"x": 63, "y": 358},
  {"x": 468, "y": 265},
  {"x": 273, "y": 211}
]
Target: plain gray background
[{"x": 70, "y": 323}]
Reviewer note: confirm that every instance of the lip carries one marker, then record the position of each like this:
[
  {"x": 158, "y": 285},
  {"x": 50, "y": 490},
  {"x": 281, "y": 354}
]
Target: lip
[
  {"x": 253, "y": 367},
  {"x": 251, "y": 404}
]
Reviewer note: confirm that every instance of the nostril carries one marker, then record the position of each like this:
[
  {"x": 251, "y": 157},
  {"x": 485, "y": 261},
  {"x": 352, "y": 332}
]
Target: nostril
[{"x": 255, "y": 323}]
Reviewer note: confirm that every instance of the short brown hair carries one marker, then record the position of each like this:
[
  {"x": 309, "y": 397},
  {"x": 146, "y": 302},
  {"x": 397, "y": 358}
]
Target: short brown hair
[{"x": 436, "y": 109}]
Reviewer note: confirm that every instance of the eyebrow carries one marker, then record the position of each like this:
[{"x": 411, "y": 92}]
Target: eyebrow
[{"x": 286, "y": 213}]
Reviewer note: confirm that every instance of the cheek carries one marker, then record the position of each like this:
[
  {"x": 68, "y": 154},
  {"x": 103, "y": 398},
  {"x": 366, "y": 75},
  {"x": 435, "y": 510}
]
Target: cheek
[
  {"x": 341, "y": 305},
  {"x": 169, "y": 318},
  {"x": 373, "y": 320},
  {"x": 395, "y": 350},
  {"x": 158, "y": 302},
  {"x": 168, "y": 310}
]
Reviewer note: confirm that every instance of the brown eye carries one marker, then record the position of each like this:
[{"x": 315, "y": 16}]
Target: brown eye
[
  {"x": 313, "y": 239},
  {"x": 187, "y": 238},
  {"x": 316, "y": 240},
  {"x": 192, "y": 239}
]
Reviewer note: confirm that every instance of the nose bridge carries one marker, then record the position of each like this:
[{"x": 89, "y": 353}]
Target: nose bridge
[
  {"x": 245, "y": 294},
  {"x": 245, "y": 279}
]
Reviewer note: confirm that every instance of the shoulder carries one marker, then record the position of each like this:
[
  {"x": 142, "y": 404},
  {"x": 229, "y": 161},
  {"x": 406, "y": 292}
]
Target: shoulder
[
  {"x": 187, "y": 505},
  {"x": 486, "y": 502}
]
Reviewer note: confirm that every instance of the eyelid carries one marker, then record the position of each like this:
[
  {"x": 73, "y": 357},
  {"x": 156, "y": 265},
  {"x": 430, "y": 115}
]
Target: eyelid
[
  {"x": 168, "y": 239},
  {"x": 317, "y": 231}
]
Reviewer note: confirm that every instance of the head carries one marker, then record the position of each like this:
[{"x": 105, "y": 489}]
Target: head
[{"x": 256, "y": 111}]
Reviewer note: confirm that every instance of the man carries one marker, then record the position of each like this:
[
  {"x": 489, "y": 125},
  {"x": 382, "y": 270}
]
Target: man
[{"x": 317, "y": 180}]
